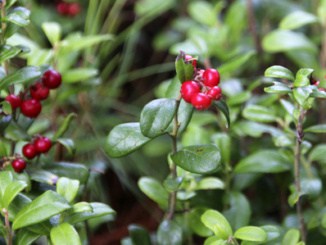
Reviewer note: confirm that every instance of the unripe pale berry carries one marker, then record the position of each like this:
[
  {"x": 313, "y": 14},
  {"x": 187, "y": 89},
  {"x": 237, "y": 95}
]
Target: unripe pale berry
[
  {"x": 31, "y": 108},
  {"x": 201, "y": 101},
  {"x": 189, "y": 89},
  {"x": 211, "y": 77}
]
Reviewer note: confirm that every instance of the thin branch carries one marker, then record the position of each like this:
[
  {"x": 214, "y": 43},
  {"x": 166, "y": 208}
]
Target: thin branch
[{"x": 8, "y": 227}]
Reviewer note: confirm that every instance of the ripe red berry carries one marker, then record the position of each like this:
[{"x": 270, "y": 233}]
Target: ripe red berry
[
  {"x": 211, "y": 77},
  {"x": 29, "y": 151},
  {"x": 31, "y": 108},
  {"x": 63, "y": 8},
  {"x": 215, "y": 93},
  {"x": 74, "y": 9},
  {"x": 189, "y": 58},
  {"x": 201, "y": 101},
  {"x": 189, "y": 89},
  {"x": 39, "y": 91},
  {"x": 51, "y": 79},
  {"x": 18, "y": 165},
  {"x": 42, "y": 144},
  {"x": 14, "y": 100}
]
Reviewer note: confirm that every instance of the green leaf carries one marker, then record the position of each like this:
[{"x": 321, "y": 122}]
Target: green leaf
[
  {"x": 83, "y": 212},
  {"x": 44, "y": 176},
  {"x": 154, "y": 190},
  {"x": 64, "y": 234},
  {"x": 318, "y": 153},
  {"x": 215, "y": 241},
  {"x": 291, "y": 237},
  {"x": 223, "y": 142},
  {"x": 184, "y": 70},
  {"x": 124, "y": 139},
  {"x": 273, "y": 232},
  {"x": 195, "y": 223},
  {"x": 320, "y": 128},
  {"x": 223, "y": 107},
  {"x": 52, "y": 31},
  {"x": 79, "y": 75},
  {"x": 301, "y": 94},
  {"x": 203, "y": 12},
  {"x": 8, "y": 52},
  {"x": 263, "y": 161},
  {"x": 278, "y": 88},
  {"x": 42, "y": 208},
  {"x": 284, "y": 40},
  {"x": 25, "y": 237},
  {"x": 26, "y": 74},
  {"x": 251, "y": 233},
  {"x": 210, "y": 183},
  {"x": 70, "y": 170},
  {"x": 156, "y": 116},
  {"x": 69, "y": 144},
  {"x": 11, "y": 191},
  {"x": 19, "y": 16},
  {"x": 201, "y": 159},
  {"x": 5, "y": 179},
  {"x": 67, "y": 188},
  {"x": 302, "y": 78},
  {"x": 169, "y": 232},
  {"x": 279, "y": 72},
  {"x": 64, "y": 126},
  {"x": 297, "y": 19},
  {"x": 259, "y": 113},
  {"x": 235, "y": 63},
  {"x": 239, "y": 212},
  {"x": 216, "y": 222},
  {"x": 139, "y": 235}
]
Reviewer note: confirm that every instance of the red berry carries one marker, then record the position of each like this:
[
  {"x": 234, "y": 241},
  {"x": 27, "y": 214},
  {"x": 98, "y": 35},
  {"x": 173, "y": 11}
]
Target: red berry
[
  {"x": 39, "y": 91},
  {"x": 215, "y": 93},
  {"x": 211, "y": 77},
  {"x": 31, "y": 108},
  {"x": 42, "y": 144},
  {"x": 51, "y": 79},
  {"x": 189, "y": 89},
  {"x": 201, "y": 101},
  {"x": 63, "y": 8},
  {"x": 190, "y": 58},
  {"x": 14, "y": 100},
  {"x": 18, "y": 165},
  {"x": 29, "y": 151},
  {"x": 74, "y": 9}
]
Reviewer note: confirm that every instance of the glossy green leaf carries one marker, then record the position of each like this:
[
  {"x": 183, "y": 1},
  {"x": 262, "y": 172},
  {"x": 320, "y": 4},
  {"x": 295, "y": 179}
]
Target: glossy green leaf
[
  {"x": 184, "y": 70},
  {"x": 19, "y": 16},
  {"x": 156, "y": 117},
  {"x": 195, "y": 223},
  {"x": 279, "y": 72},
  {"x": 321, "y": 128},
  {"x": 82, "y": 212},
  {"x": 239, "y": 211},
  {"x": 214, "y": 240},
  {"x": 301, "y": 94},
  {"x": 139, "y": 235},
  {"x": 26, "y": 74},
  {"x": 44, "y": 176},
  {"x": 25, "y": 237},
  {"x": 154, "y": 190},
  {"x": 64, "y": 234},
  {"x": 318, "y": 153},
  {"x": 17, "y": 204},
  {"x": 42, "y": 208},
  {"x": 297, "y": 19},
  {"x": 68, "y": 144},
  {"x": 288, "y": 106},
  {"x": 223, "y": 142},
  {"x": 200, "y": 159},
  {"x": 79, "y": 75},
  {"x": 52, "y": 31},
  {"x": 278, "y": 88},
  {"x": 64, "y": 126},
  {"x": 235, "y": 63},
  {"x": 124, "y": 139},
  {"x": 8, "y": 52},
  {"x": 284, "y": 40},
  {"x": 169, "y": 232},
  {"x": 185, "y": 113},
  {"x": 311, "y": 186},
  {"x": 216, "y": 222},
  {"x": 70, "y": 170},
  {"x": 251, "y": 233},
  {"x": 210, "y": 183},
  {"x": 223, "y": 107},
  {"x": 259, "y": 113},
  {"x": 203, "y": 12},
  {"x": 11, "y": 191},
  {"x": 302, "y": 78},
  {"x": 291, "y": 237},
  {"x": 68, "y": 188},
  {"x": 263, "y": 161},
  {"x": 273, "y": 232}
]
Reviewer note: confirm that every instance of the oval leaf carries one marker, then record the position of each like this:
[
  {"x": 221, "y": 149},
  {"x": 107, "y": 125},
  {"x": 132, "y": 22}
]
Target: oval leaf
[
  {"x": 156, "y": 116},
  {"x": 64, "y": 234},
  {"x": 279, "y": 72},
  {"x": 124, "y": 139},
  {"x": 321, "y": 128},
  {"x": 139, "y": 235},
  {"x": 216, "y": 222},
  {"x": 302, "y": 78},
  {"x": 154, "y": 190},
  {"x": 199, "y": 159},
  {"x": 169, "y": 233},
  {"x": 278, "y": 88},
  {"x": 52, "y": 31},
  {"x": 258, "y": 113},
  {"x": 297, "y": 19},
  {"x": 291, "y": 237},
  {"x": 68, "y": 188},
  {"x": 251, "y": 233}
]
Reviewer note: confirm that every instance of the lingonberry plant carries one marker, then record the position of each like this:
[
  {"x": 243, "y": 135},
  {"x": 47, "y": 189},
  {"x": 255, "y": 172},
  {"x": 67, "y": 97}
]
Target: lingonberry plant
[{"x": 39, "y": 195}]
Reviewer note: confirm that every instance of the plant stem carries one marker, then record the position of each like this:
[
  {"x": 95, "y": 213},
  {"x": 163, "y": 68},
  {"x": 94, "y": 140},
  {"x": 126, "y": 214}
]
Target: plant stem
[
  {"x": 173, "y": 170},
  {"x": 8, "y": 228},
  {"x": 297, "y": 158}
]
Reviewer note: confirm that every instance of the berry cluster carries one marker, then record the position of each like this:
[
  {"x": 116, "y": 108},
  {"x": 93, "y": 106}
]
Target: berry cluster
[
  {"x": 68, "y": 9},
  {"x": 203, "y": 89},
  {"x": 30, "y": 105},
  {"x": 39, "y": 145}
]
